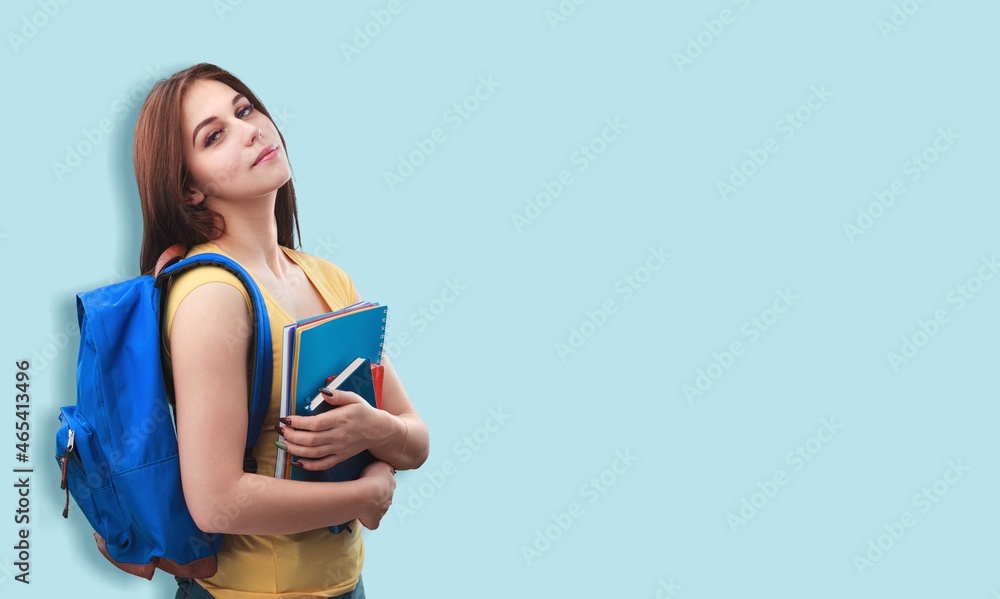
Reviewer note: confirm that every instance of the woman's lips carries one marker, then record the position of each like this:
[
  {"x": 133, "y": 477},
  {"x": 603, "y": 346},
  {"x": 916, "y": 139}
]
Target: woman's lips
[{"x": 266, "y": 154}]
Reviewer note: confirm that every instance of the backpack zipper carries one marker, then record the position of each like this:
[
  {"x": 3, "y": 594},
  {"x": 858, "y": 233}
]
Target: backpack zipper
[{"x": 65, "y": 463}]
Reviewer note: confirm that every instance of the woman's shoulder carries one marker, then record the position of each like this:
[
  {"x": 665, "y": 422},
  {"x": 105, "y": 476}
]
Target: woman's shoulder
[
  {"x": 328, "y": 272},
  {"x": 317, "y": 262},
  {"x": 182, "y": 284},
  {"x": 185, "y": 282}
]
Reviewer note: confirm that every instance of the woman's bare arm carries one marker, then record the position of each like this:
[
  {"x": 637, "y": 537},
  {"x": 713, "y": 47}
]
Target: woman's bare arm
[
  {"x": 395, "y": 434},
  {"x": 402, "y": 437},
  {"x": 209, "y": 343}
]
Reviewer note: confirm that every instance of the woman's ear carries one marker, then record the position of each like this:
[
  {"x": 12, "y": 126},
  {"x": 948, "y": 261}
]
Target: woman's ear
[{"x": 192, "y": 196}]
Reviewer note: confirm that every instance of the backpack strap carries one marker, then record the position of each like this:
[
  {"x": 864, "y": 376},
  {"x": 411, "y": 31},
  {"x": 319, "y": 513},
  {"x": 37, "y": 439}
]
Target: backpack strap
[
  {"x": 172, "y": 263},
  {"x": 169, "y": 256}
]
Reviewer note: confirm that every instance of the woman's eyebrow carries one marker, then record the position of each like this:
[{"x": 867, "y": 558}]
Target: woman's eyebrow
[{"x": 194, "y": 136}]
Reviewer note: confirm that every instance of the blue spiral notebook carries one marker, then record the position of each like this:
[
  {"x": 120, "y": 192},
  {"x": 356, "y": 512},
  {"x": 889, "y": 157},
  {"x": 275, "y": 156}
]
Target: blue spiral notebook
[{"x": 315, "y": 349}]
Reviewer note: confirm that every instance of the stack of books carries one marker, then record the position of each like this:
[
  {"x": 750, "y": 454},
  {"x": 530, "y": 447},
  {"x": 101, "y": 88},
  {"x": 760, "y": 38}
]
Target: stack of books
[{"x": 337, "y": 350}]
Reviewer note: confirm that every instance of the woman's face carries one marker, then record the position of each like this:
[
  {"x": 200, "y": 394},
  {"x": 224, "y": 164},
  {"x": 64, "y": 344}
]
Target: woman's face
[{"x": 223, "y": 147}]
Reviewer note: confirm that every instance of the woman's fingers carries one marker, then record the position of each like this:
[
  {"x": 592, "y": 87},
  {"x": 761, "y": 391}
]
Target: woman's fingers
[
  {"x": 339, "y": 397},
  {"x": 309, "y": 451},
  {"x": 304, "y": 423},
  {"x": 320, "y": 464},
  {"x": 323, "y": 420},
  {"x": 307, "y": 438},
  {"x": 317, "y": 463}
]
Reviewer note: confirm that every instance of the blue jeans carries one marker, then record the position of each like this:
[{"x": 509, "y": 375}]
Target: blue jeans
[{"x": 188, "y": 588}]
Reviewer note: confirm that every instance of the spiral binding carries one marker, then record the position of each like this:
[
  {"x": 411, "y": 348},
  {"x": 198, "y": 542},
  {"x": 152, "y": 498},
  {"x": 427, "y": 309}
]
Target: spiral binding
[{"x": 381, "y": 342}]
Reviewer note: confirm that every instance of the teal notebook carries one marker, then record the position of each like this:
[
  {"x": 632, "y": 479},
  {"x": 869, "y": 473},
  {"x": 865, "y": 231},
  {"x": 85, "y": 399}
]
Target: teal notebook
[{"x": 317, "y": 348}]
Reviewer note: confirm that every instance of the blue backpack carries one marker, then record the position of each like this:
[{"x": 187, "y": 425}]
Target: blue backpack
[{"x": 117, "y": 447}]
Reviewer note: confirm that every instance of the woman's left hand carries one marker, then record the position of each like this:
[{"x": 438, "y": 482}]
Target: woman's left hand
[{"x": 326, "y": 439}]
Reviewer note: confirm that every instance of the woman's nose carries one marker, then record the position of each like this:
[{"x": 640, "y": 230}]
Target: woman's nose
[{"x": 252, "y": 133}]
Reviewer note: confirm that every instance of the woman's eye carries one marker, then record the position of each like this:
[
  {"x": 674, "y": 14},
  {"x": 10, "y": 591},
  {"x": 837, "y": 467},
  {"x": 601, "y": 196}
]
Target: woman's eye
[
  {"x": 212, "y": 137},
  {"x": 242, "y": 113}
]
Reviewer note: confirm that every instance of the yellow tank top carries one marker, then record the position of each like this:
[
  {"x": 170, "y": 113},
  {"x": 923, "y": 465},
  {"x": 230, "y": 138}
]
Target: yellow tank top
[{"x": 314, "y": 563}]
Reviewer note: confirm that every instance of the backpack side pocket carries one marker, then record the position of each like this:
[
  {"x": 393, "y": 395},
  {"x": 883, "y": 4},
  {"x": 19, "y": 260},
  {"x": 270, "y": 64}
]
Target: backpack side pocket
[{"x": 86, "y": 475}]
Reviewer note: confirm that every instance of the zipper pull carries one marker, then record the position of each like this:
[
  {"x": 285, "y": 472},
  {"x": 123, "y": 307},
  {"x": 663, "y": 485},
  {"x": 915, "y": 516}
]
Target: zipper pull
[
  {"x": 65, "y": 458},
  {"x": 65, "y": 464}
]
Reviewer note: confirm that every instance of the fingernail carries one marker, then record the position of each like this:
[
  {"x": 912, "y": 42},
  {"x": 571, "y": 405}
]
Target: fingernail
[
  {"x": 287, "y": 421},
  {"x": 326, "y": 391},
  {"x": 277, "y": 429},
  {"x": 296, "y": 463},
  {"x": 280, "y": 445}
]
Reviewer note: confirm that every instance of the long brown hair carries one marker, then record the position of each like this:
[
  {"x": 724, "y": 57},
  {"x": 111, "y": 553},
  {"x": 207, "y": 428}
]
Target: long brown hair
[{"x": 160, "y": 171}]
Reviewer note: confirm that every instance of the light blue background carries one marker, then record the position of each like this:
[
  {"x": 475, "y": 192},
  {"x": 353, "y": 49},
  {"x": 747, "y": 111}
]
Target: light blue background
[{"x": 495, "y": 347}]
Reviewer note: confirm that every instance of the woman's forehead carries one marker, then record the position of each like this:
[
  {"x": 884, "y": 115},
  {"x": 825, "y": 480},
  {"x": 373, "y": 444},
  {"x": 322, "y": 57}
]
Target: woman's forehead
[{"x": 203, "y": 98}]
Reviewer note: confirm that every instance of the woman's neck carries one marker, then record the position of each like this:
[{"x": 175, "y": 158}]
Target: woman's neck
[{"x": 251, "y": 238}]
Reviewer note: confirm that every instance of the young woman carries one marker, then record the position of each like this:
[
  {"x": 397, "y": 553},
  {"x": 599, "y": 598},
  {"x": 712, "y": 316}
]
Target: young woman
[{"x": 213, "y": 174}]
